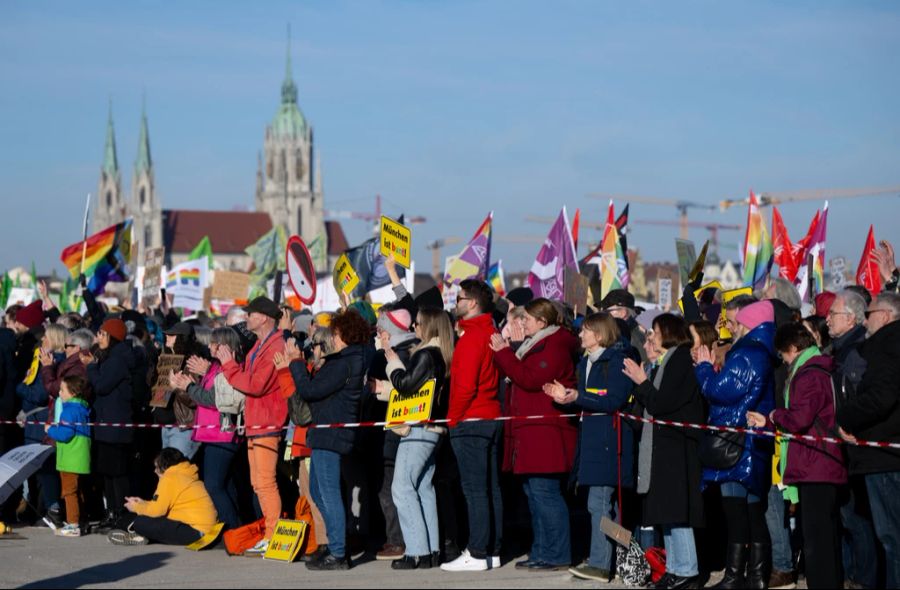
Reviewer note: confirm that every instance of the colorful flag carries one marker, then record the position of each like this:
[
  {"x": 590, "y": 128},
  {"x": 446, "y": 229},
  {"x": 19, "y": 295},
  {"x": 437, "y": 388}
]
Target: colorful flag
[
  {"x": 810, "y": 286},
  {"x": 622, "y": 228},
  {"x": 5, "y": 288},
  {"x": 474, "y": 260},
  {"x": 784, "y": 250},
  {"x": 758, "y": 251},
  {"x": 203, "y": 250},
  {"x": 613, "y": 263},
  {"x": 802, "y": 247},
  {"x": 867, "y": 273},
  {"x": 576, "y": 224},
  {"x": 547, "y": 276},
  {"x": 187, "y": 283},
  {"x": 268, "y": 256},
  {"x": 496, "y": 278},
  {"x": 107, "y": 256}
]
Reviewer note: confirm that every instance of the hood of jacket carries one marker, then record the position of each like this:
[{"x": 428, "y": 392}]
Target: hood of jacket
[{"x": 763, "y": 335}]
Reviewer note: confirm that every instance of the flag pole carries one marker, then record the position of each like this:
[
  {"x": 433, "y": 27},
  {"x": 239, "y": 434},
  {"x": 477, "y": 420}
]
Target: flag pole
[{"x": 87, "y": 209}]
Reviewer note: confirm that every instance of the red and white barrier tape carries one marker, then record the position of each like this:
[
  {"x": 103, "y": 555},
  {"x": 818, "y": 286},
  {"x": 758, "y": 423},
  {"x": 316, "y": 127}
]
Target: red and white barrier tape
[{"x": 670, "y": 423}]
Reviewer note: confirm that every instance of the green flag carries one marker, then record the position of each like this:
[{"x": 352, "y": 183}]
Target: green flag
[
  {"x": 268, "y": 255},
  {"x": 5, "y": 288},
  {"x": 204, "y": 248},
  {"x": 34, "y": 280}
]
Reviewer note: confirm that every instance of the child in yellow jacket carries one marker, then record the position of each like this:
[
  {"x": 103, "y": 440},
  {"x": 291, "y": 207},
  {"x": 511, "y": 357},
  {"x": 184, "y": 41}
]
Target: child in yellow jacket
[{"x": 180, "y": 512}]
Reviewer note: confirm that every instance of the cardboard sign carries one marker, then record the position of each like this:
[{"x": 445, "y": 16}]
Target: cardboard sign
[
  {"x": 300, "y": 269},
  {"x": 614, "y": 531},
  {"x": 161, "y": 389},
  {"x": 577, "y": 286},
  {"x": 396, "y": 239},
  {"x": 710, "y": 285},
  {"x": 664, "y": 293},
  {"x": 287, "y": 541},
  {"x": 20, "y": 295},
  {"x": 231, "y": 286},
  {"x": 207, "y": 539},
  {"x": 187, "y": 282},
  {"x": 412, "y": 408},
  {"x": 151, "y": 281},
  {"x": 592, "y": 274},
  {"x": 345, "y": 278},
  {"x": 687, "y": 258},
  {"x": 727, "y": 296},
  {"x": 701, "y": 262}
]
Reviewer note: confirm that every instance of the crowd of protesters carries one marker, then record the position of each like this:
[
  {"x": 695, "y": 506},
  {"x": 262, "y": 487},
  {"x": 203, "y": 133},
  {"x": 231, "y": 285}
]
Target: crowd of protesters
[{"x": 238, "y": 442}]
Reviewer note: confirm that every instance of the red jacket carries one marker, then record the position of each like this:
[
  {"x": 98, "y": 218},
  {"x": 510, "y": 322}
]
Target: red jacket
[
  {"x": 545, "y": 445},
  {"x": 473, "y": 376},
  {"x": 258, "y": 380}
]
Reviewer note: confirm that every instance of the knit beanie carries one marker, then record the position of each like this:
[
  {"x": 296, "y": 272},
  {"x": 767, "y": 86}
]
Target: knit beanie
[
  {"x": 364, "y": 308},
  {"x": 31, "y": 316},
  {"x": 824, "y": 302},
  {"x": 115, "y": 328},
  {"x": 395, "y": 322},
  {"x": 755, "y": 314}
]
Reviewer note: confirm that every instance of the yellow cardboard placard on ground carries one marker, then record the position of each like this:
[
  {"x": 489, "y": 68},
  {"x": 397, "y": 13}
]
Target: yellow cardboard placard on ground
[
  {"x": 207, "y": 539},
  {"x": 412, "y": 408},
  {"x": 727, "y": 296},
  {"x": 345, "y": 278},
  {"x": 287, "y": 540},
  {"x": 396, "y": 239}
]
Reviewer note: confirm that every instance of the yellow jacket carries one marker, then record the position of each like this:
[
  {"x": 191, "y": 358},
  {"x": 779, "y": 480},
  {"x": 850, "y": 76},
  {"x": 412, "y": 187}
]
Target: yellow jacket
[{"x": 181, "y": 496}]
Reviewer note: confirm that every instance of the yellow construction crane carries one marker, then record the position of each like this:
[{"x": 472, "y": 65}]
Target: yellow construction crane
[
  {"x": 766, "y": 199},
  {"x": 679, "y": 204}
]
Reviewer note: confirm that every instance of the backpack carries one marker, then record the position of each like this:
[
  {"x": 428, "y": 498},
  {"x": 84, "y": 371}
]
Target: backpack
[{"x": 242, "y": 538}]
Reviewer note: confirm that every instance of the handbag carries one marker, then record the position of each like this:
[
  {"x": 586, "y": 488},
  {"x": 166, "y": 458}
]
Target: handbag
[
  {"x": 721, "y": 450},
  {"x": 299, "y": 410}
]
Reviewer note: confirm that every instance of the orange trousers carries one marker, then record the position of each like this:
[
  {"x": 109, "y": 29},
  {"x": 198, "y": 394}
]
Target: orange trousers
[
  {"x": 71, "y": 494},
  {"x": 263, "y": 456}
]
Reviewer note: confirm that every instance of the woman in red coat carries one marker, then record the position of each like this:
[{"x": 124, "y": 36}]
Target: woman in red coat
[{"x": 543, "y": 449}]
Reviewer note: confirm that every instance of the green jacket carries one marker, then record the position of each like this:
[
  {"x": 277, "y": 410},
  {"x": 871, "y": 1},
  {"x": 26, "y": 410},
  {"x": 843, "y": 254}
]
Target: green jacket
[{"x": 73, "y": 438}]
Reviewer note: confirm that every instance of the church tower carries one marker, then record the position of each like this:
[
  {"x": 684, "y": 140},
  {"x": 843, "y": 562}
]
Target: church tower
[
  {"x": 288, "y": 188},
  {"x": 110, "y": 207},
  {"x": 145, "y": 206}
]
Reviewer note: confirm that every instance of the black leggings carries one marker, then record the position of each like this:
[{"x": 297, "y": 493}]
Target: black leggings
[
  {"x": 820, "y": 523},
  {"x": 165, "y": 531},
  {"x": 746, "y": 522}
]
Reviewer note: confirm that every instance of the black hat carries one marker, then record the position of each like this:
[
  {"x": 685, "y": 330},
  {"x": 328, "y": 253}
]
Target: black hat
[
  {"x": 520, "y": 296},
  {"x": 265, "y": 306},
  {"x": 618, "y": 298},
  {"x": 430, "y": 299},
  {"x": 180, "y": 329},
  {"x": 130, "y": 315}
]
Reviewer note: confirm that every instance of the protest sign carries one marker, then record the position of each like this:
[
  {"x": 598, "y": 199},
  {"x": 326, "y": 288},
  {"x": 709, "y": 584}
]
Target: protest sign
[
  {"x": 162, "y": 391},
  {"x": 724, "y": 333},
  {"x": 345, "y": 278},
  {"x": 664, "y": 293},
  {"x": 301, "y": 272},
  {"x": 287, "y": 540},
  {"x": 687, "y": 258},
  {"x": 187, "y": 283},
  {"x": 396, "y": 239},
  {"x": 710, "y": 285},
  {"x": 231, "y": 286},
  {"x": 21, "y": 296},
  {"x": 151, "y": 280},
  {"x": 411, "y": 408},
  {"x": 700, "y": 264},
  {"x": 577, "y": 286}
]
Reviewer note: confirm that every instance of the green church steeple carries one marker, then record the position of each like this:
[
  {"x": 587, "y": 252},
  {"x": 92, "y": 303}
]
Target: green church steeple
[
  {"x": 143, "y": 162},
  {"x": 289, "y": 120},
  {"x": 110, "y": 161}
]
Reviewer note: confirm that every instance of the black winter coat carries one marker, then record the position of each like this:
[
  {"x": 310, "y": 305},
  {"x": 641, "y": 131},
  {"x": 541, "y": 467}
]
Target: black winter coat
[
  {"x": 376, "y": 409},
  {"x": 873, "y": 413},
  {"x": 333, "y": 395},
  {"x": 8, "y": 375},
  {"x": 675, "y": 473},
  {"x": 111, "y": 381},
  {"x": 426, "y": 364}
]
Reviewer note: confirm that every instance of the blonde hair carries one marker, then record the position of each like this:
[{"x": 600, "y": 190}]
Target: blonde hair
[
  {"x": 543, "y": 309},
  {"x": 436, "y": 324},
  {"x": 56, "y": 335},
  {"x": 604, "y": 326}
]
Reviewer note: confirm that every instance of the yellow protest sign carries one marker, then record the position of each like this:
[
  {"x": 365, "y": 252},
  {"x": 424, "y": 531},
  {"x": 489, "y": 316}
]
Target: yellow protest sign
[
  {"x": 411, "y": 408},
  {"x": 710, "y": 285},
  {"x": 345, "y": 278},
  {"x": 396, "y": 239},
  {"x": 207, "y": 539},
  {"x": 724, "y": 333},
  {"x": 286, "y": 542}
]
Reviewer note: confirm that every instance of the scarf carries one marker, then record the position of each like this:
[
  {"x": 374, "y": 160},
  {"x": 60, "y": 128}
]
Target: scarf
[
  {"x": 531, "y": 342},
  {"x": 791, "y": 493},
  {"x": 645, "y": 451}
]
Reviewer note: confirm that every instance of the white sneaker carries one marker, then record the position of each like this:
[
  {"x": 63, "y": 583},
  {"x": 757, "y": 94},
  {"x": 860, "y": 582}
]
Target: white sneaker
[
  {"x": 69, "y": 530},
  {"x": 466, "y": 563},
  {"x": 495, "y": 562},
  {"x": 257, "y": 550}
]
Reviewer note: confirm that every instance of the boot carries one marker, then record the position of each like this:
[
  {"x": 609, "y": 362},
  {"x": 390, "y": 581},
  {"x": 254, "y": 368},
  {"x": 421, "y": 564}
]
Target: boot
[
  {"x": 107, "y": 524},
  {"x": 735, "y": 563},
  {"x": 759, "y": 568}
]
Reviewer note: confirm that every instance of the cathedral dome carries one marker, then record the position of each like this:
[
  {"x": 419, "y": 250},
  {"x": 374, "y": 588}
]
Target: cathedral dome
[{"x": 289, "y": 121}]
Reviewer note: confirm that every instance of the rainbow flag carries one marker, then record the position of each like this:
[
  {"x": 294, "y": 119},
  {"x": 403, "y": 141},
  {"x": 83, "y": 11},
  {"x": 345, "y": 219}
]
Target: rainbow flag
[
  {"x": 613, "y": 264},
  {"x": 107, "y": 257},
  {"x": 496, "y": 278},
  {"x": 758, "y": 250},
  {"x": 811, "y": 285},
  {"x": 474, "y": 260}
]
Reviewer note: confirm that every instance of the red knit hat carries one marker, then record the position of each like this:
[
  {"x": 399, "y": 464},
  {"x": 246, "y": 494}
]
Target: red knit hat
[
  {"x": 115, "y": 328},
  {"x": 824, "y": 301},
  {"x": 32, "y": 315}
]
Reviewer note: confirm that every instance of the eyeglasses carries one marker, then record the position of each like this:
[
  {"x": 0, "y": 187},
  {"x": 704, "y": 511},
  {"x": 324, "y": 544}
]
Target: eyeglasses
[
  {"x": 71, "y": 346},
  {"x": 832, "y": 313},
  {"x": 871, "y": 311},
  {"x": 458, "y": 299}
]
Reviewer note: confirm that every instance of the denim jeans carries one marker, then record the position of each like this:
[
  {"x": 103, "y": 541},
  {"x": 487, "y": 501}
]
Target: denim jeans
[
  {"x": 549, "y": 520},
  {"x": 217, "y": 477},
  {"x": 476, "y": 446},
  {"x": 782, "y": 555},
  {"x": 733, "y": 489},
  {"x": 325, "y": 485},
  {"x": 681, "y": 552},
  {"x": 600, "y": 504},
  {"x": 860, "y": 558},
  {"x": 177, "y": 438},
  {"x": 884, "y": 498},
  {"x": 413, "y": 492}
]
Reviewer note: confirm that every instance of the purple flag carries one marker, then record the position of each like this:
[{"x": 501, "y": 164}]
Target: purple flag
[{"x": 547, "y": 276}]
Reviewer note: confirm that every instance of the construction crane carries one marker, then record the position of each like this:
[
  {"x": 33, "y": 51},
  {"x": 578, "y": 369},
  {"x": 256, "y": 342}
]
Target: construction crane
[
  {"x": 712, "y": 228},
  {"x": 436, "y": 247},
  {"x": 679, "y": 204},
  {"x": 766, "y": 199},
  {"x": 370, "y": 216}
]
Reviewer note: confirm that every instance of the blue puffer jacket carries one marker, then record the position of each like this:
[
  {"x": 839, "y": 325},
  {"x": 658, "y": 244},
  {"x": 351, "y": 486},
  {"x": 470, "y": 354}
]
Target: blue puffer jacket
[
  {"x": 744, "y": 384},
  {"x": 35, "y": 398},
  {"x": 604, "y": 391}
]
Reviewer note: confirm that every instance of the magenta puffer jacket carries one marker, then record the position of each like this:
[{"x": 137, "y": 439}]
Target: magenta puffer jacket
[{"x": 208, "y": 425}]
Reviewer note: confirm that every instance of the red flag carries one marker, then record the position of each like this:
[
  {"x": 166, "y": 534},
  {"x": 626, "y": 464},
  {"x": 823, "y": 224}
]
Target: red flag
[
  {"x": 867, "y": 273},
  {"x": 576, "y": 222},
  {"x": 784, "y": 249}
]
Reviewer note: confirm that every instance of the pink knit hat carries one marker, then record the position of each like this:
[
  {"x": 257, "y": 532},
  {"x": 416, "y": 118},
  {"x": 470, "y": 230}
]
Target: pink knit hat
[{"x": 756, "y": 314}]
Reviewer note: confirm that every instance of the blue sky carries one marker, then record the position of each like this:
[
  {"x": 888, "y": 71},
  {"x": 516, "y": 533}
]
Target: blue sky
[{"x": 451, "y": 109}]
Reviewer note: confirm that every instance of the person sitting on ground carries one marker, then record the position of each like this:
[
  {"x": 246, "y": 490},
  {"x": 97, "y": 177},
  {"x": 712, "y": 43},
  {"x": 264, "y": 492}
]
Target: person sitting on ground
[{"x": 181, "y": 511}]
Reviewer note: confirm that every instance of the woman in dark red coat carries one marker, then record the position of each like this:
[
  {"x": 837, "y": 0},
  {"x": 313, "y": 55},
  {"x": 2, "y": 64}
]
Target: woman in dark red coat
[{"x": 543, "y": 449}]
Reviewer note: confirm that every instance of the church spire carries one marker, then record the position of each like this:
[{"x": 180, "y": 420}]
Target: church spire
[
  {"x": 110, "y": 161},
  {"x": 143, "y": 162},
  {"x": 288, "y": 88}
]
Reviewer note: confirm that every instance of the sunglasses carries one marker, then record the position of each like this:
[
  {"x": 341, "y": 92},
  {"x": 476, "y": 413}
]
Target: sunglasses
[
  {"x": 871, "y": 311},
  {"x": 71, "y": 346}
]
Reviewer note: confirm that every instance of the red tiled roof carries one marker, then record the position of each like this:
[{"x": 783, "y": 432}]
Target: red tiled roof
[
  {"x": 230, "y": 232},
  {"x": 337, "y": 241}
]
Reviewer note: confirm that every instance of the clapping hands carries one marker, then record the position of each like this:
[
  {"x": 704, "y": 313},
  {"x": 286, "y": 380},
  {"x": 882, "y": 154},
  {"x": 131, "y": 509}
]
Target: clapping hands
[
  {"x": 498, "y": 342},
  {"x": 559, "y": 393},
  {"x": 198, "y": 366},
  {"x": 634, "y": 372}
]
